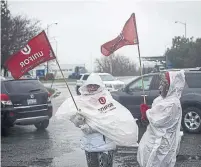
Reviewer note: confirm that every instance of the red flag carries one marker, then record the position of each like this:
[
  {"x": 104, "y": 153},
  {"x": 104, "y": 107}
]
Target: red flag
[
  {"x": 37, "y": 51},
  {"x": 128, "y": 36}
]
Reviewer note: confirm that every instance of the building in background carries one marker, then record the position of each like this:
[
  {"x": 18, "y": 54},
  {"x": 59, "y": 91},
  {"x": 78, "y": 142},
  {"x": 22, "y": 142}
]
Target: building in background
[
  {"x": 68, "y": 70},
  {"x": 159, "y": 62}
]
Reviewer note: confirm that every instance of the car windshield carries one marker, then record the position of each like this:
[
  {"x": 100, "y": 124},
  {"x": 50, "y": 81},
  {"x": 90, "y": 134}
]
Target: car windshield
[
  {"x": 85, "y": 77},
  {"x": 23, "y": 86},
  {"x": 107, "y": 78}
]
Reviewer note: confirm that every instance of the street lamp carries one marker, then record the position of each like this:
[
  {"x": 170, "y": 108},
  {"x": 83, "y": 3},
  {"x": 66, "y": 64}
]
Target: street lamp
[
  {"x": 54, "y": 40},
  {"x": 48, "y": 26},
  {"x": 182, "y": 24}
]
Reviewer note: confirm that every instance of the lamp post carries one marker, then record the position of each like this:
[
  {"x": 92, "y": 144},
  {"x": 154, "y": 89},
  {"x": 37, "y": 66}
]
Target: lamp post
[
  {"x": 48, "y": 26},
  {"x": 55, "y": 72},
  {"x": 182, "y": 24},
  {"x": 54, "y": 40}
]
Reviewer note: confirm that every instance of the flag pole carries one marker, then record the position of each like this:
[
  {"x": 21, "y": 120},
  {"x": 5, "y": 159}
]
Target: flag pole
[
  {"x": 139, "y": 55},
  {"x": 62, "y": 74},
  {"x": 66, "y": 84}
]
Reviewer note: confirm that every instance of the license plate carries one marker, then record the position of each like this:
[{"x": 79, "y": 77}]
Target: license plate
[{"x": 31, "y": 101}]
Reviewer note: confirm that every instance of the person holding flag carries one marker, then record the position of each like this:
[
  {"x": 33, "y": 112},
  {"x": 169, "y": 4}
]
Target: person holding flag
[
  {"x": 99, "y": 149},
  {"x": 160, "y": 143},
  {"x": 105, "y": 123}
]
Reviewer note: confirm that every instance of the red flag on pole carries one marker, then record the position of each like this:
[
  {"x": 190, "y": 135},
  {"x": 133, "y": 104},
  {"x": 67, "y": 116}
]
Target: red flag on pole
[
  {"x": 37, "y": 51},
  {"x": 128, "y": 36}
]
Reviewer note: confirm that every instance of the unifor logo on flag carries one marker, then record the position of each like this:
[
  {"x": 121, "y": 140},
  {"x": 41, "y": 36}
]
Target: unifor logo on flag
[
  {"x": 26, "y": 50},
  {"x": 37, "y": 51},
  {"x": 128, "y": 36}
]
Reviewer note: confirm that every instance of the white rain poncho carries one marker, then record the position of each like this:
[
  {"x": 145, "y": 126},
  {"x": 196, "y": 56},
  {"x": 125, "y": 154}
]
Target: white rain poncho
[
  {"x": 105, "y": 116},
  {"x": 161, "y": 141}
]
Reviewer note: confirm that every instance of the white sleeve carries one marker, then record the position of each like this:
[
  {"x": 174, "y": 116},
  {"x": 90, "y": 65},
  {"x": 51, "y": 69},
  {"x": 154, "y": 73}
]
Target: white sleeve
[
  {"x": 162, "y": 117},
  {"x": 87, "y": 129}
]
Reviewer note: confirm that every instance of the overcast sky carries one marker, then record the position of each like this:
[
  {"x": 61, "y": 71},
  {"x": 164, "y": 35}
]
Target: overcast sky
[{"x": 83, "y": 26}]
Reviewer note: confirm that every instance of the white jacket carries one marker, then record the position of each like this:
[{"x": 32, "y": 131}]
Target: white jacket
[
  {"x": 95, "y": 141},
  {"x": 161, "y": 141},
  {"x": 106, "y": 122},
  {"x": 106, "y": 117}
]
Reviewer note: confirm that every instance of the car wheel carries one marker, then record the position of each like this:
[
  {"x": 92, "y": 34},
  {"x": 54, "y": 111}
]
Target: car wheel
[
  {"x": 42, "y": 125},
  {"x": 191, "y": 120},
  {"x": 77, "y": 90}
]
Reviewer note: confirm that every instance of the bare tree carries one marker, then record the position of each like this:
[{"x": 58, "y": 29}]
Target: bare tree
[
  {"x": 22, "y": 29},
  {"x": 117, "y": 65},
  {"x": 15, "y": 33}
]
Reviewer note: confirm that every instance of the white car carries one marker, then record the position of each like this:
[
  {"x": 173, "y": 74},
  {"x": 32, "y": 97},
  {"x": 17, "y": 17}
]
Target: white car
[{"x": 111, "y": 83}]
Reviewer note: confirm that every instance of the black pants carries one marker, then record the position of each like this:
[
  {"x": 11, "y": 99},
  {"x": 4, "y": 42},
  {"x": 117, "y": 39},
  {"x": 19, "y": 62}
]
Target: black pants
[{"x": 99, "y": 159}]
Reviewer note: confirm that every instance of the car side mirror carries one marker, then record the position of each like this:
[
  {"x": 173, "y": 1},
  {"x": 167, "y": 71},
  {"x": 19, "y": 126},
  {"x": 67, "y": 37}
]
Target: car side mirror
[
  {"x": 128, "y": 90},
  {"x": 125, "y": 89}
]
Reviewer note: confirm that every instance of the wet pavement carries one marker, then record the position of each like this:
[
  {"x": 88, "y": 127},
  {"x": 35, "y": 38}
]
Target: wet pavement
[{"x": 59, "y": 146}]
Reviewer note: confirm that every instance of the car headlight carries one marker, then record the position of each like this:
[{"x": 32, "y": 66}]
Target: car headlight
[{"x": 108, "y": 86}]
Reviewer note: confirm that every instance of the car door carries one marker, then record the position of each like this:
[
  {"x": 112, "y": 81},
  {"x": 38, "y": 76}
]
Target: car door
[{"x": 134, "y": 95}]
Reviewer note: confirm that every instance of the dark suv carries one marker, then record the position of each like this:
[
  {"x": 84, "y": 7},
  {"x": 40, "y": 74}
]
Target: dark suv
[
  {"x": 132, "y": 96},
  {"x": 24, "y": 102}
]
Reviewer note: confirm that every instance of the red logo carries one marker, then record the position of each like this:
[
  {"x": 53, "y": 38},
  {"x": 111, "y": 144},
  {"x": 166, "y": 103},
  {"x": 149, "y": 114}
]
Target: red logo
[{"x": 102, "y": 100}]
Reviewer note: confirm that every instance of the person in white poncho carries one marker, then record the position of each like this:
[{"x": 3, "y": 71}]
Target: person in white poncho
[
  {"x": 104, "y": 122},
  {"x": 160, "y": 143}
]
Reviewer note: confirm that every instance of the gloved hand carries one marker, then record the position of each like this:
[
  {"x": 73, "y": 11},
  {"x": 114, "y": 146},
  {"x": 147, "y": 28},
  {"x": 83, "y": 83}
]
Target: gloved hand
[
  {"x": 86, "y": 129},
  {"x": 143, "y": 110},
  {"x": 78, "y": 120}
]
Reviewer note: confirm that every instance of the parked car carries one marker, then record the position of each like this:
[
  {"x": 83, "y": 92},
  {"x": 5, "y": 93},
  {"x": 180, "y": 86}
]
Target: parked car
[
  {"x": 24, "y": 102},
  {"x": 132, "y": 96},
  {"x": 111, "y": 83}
]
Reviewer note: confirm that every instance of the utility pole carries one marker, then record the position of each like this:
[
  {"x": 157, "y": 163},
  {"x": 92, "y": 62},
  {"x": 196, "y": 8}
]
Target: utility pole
[
  {"x": 48, "y": 36},
  {"x": 184, "y": 26},
  {"x": 47, "y": 61}
]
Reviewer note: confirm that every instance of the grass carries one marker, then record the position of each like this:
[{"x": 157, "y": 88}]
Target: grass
[{"x": 58, "y": 80}]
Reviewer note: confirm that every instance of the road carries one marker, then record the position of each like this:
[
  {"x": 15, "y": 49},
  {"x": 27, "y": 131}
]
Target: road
[{"x": 59, "y": 145}]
